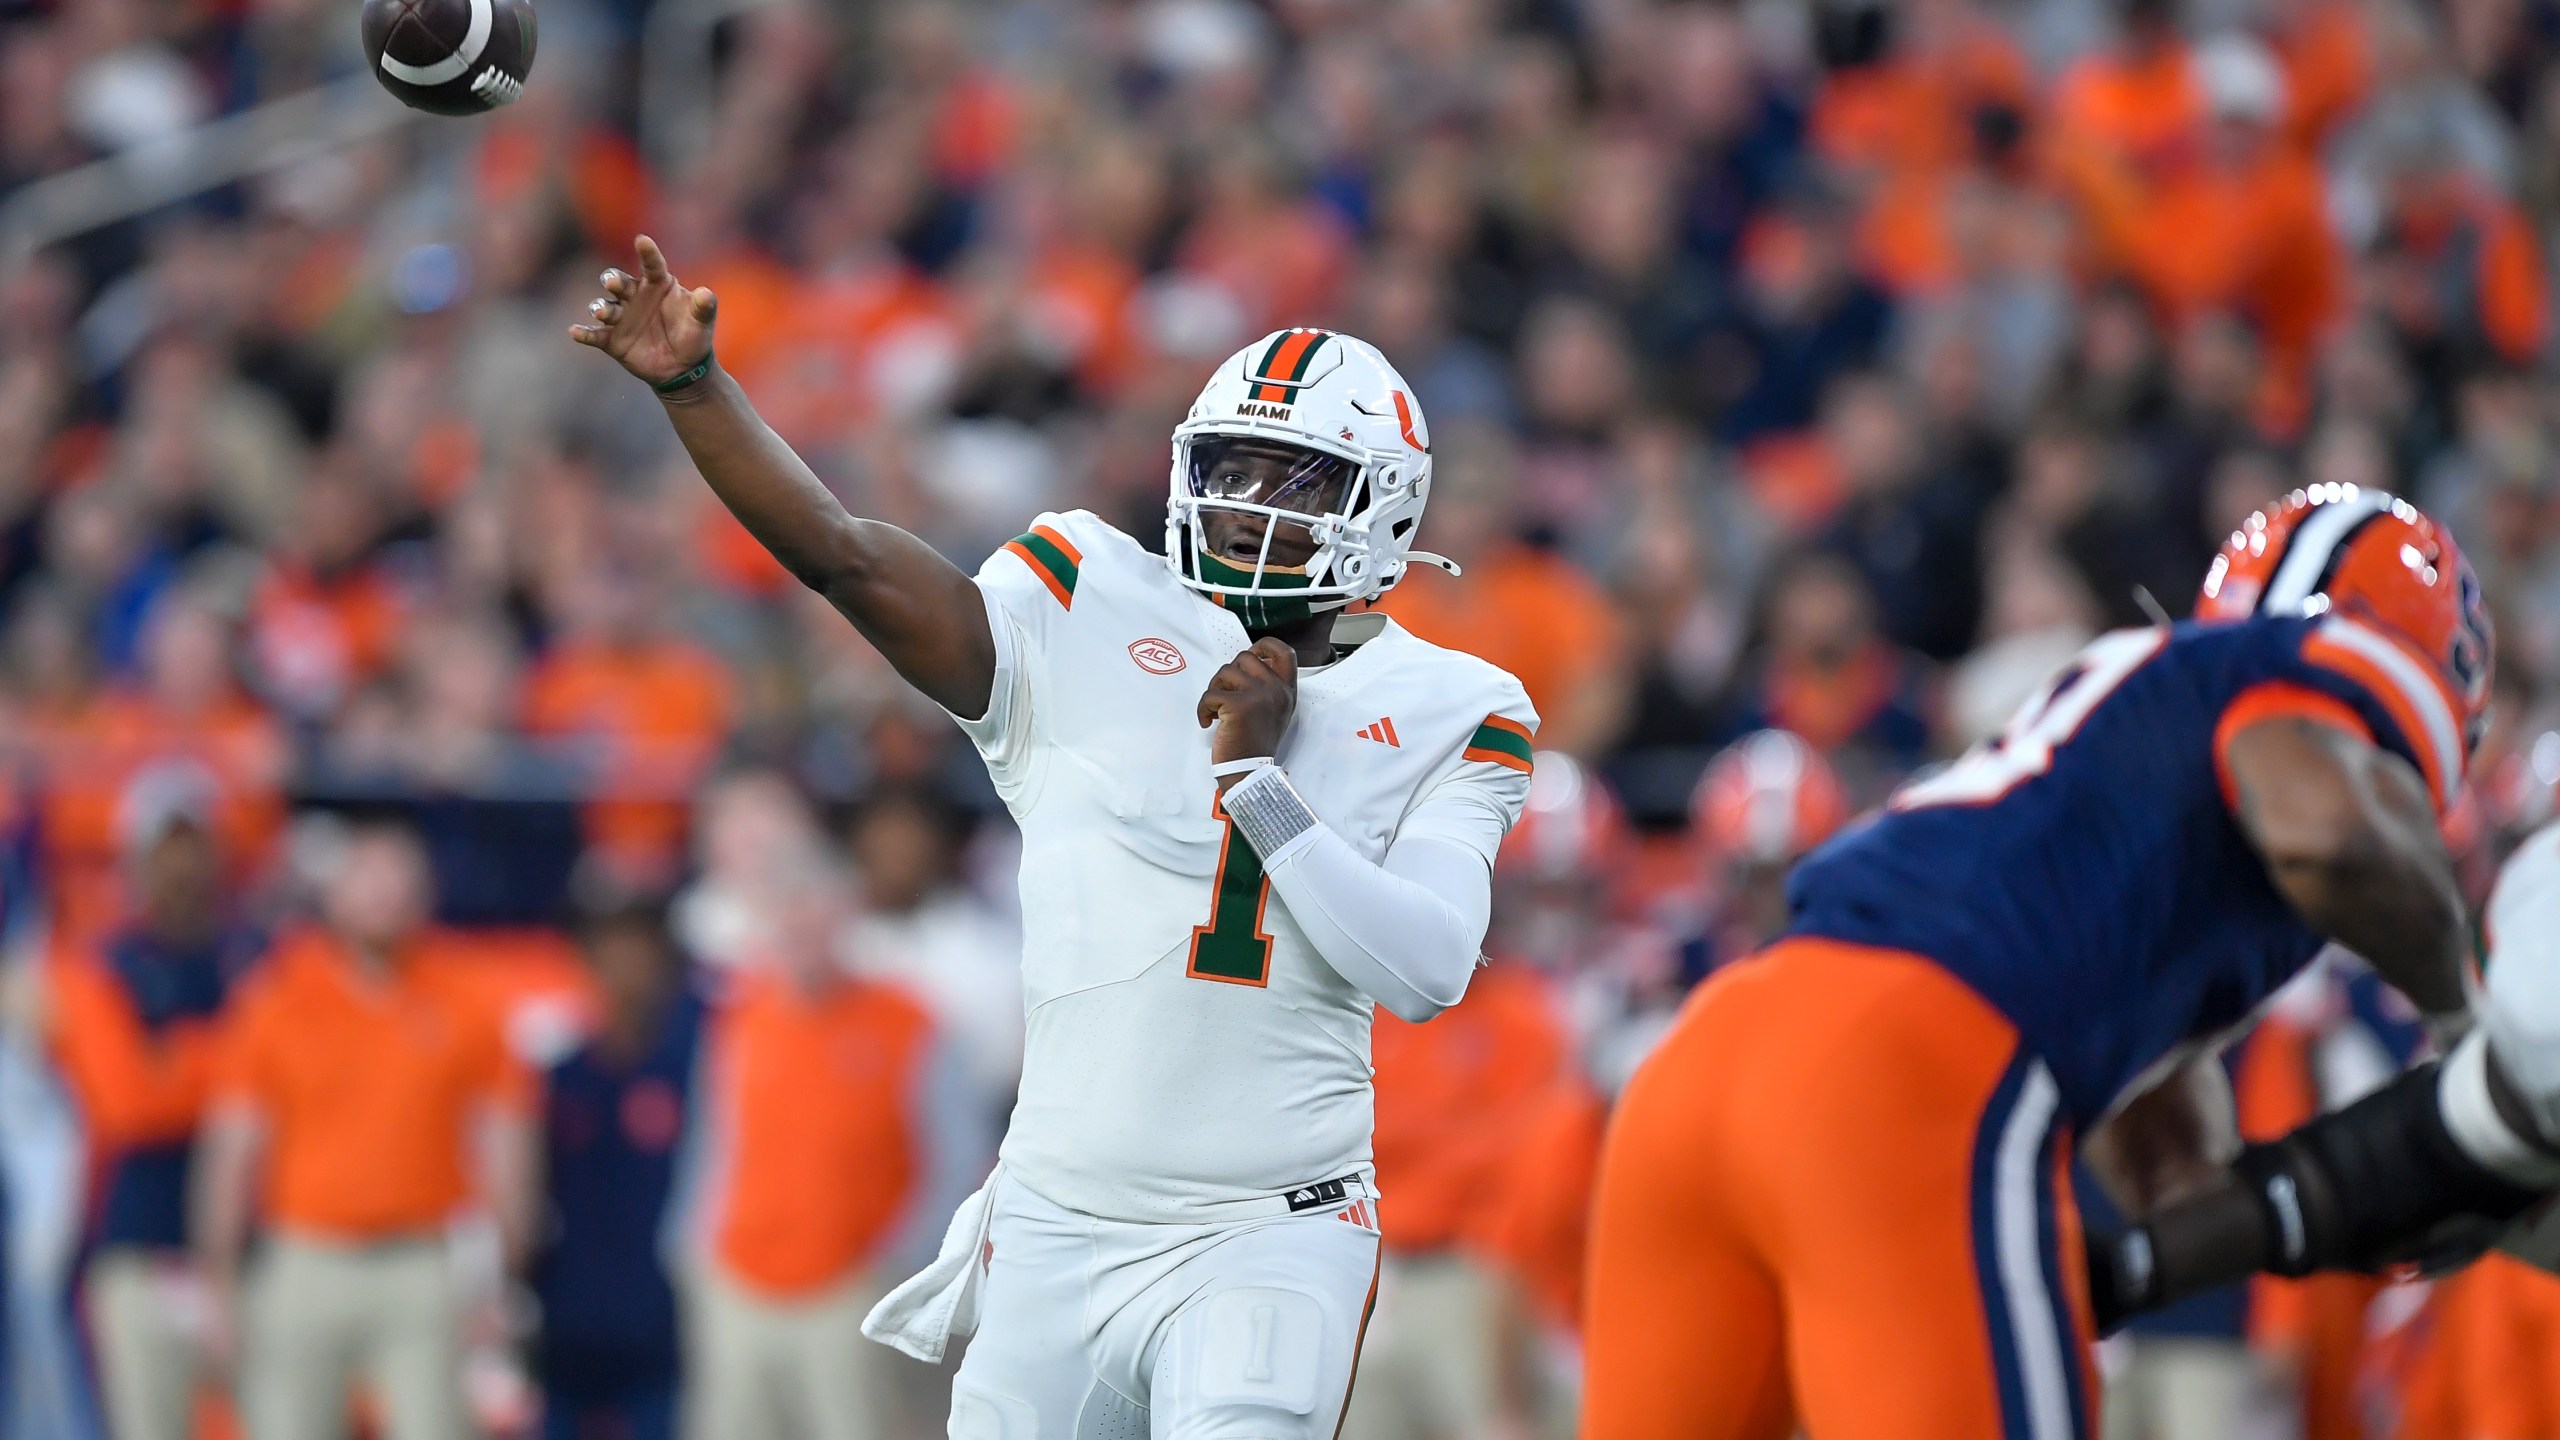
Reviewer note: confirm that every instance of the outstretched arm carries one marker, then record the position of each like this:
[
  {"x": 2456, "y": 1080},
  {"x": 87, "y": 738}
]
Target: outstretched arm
[
  {"x": 923, "y": 612},
  {"x": 2350, "y": 839},
  {"x": 2428, "y": 1168}
]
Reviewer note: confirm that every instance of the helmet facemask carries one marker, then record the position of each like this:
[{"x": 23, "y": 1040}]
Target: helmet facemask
[{"x": 1264, "y": 526}]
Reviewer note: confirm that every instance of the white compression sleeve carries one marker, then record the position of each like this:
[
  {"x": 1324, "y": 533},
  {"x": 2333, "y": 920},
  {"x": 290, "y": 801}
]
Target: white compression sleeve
[
  {"x": 1406, "y": 932},
  {"x": 2520, "y": 1006}
]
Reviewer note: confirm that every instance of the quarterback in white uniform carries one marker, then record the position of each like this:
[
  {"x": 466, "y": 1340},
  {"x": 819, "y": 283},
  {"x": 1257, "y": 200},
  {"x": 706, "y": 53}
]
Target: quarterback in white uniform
[{"x": 1247, "y": 818}]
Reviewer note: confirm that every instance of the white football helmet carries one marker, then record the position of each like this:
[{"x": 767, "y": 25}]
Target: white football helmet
[{"x": 1339, "y": 448}]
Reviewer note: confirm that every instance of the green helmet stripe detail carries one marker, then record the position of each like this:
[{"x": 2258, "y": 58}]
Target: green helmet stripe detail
[
  {"x": 1308, "y": 342},
  {"x": 1307, "y": 357}
]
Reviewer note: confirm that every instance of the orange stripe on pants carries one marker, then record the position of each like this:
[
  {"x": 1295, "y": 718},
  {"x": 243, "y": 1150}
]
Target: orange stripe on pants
[{"x": 1789, "y": 1208}]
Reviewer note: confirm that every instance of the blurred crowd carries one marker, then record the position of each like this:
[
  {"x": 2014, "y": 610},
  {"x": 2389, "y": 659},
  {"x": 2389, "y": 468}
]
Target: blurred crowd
[{"x": 485, "y": 950}]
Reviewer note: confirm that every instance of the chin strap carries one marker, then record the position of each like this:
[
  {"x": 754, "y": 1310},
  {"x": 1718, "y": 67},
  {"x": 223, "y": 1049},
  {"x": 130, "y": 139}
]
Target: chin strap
[{"x": 1425, "y": 557}]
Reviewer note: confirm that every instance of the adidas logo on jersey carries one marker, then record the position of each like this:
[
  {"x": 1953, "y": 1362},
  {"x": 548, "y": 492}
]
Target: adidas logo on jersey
[
  {"x": 1319, "y": 1195},
  {"x": 1384, "y": 732}
]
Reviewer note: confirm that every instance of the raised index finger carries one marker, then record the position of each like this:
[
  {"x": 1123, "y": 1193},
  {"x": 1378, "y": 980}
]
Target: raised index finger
[{"x": 653, "y": 262}]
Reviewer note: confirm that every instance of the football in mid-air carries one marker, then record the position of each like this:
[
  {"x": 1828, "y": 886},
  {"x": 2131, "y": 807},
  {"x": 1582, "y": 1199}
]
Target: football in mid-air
[{"x": 450, "y": 57}]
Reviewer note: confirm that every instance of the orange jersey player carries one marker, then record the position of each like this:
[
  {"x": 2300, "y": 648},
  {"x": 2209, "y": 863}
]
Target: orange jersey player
[{"x": 1837, "y": 1197}]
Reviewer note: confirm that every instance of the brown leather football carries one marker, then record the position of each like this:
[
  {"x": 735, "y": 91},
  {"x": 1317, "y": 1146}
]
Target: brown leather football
[{"x": 450, "y": 57}]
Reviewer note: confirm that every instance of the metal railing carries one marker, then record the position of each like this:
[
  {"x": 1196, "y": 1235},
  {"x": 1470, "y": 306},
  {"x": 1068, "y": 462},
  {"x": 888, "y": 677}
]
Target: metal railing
[
  {"x": 273, "y": 136},
  {"x": 678, "y": 96}
]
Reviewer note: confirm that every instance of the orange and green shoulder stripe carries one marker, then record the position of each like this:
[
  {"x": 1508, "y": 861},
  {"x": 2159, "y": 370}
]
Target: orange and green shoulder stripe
[
  {"x": 1052, "y": 558},
  {"x": 1500, "y": 740}
]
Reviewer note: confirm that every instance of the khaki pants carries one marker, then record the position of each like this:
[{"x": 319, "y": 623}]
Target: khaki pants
[
  {"x": 763, "y": 1369},
  {"x": 321, "y": 1316},
  {"x": 146, "y": 1318},
  {"x": 2173, "y": 1388},
  {"x": 1431, "y": 1366}
]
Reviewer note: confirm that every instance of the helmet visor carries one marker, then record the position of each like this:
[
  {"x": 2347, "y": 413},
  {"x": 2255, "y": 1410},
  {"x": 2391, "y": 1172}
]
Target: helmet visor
[{"x": 1253, "y": 471}]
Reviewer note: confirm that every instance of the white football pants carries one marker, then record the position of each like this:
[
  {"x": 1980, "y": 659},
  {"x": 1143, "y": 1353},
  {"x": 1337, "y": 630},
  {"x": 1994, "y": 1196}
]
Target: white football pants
[{"x": 1107, "y": 1330}]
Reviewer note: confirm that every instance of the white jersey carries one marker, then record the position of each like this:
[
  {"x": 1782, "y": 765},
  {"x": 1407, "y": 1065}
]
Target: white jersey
[
  {"x": 2519, "y": 1004},
  {"x": 1187, "y": 1050}
]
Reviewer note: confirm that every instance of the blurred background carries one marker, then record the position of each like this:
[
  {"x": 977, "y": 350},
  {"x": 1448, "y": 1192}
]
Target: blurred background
[{"x": 1810, "y": 378}]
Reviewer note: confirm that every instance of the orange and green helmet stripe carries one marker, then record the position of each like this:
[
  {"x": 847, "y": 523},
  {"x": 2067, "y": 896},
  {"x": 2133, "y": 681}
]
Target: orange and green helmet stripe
[
  {"x": 1500, "y": 740},
  {"x": 1285, "y": 363},
  {"x": 1052, "y": 559}
]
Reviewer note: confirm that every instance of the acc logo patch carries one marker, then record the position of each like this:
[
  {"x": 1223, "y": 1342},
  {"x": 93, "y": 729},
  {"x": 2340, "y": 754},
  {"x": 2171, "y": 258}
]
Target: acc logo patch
[{"x": 1156, "y": 657}]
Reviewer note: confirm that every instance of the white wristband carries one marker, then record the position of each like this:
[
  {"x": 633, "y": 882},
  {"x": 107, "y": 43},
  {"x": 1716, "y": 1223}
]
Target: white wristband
[
  {"x": 1225, "y": 768},
  {"x": 1268, "y": 813},
  {"x": 2471, "y": 1117}
]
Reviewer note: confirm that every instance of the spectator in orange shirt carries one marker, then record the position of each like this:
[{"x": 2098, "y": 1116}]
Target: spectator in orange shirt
[
  {"x": 2137, "y": 102},
  {"x": 2242, "y": 226},
  {"x": 654, "y": 707},
  {"x": 1915, "y": 108},
  {"x": 2326, "y": 47},
  {"x": 365, "y": 1102},
  {"x": 1915, "y": 128},
  {"x": 132, "y": 1029},
  {"x": 324, "y": 618},
  {"x": 189, "y": 709},
  {"x": 2456, "y": 269},
  {"x": 1826, "y": 674},
  {"x": 88, "y": 745},
  {"x": 834, "y": 1139}
]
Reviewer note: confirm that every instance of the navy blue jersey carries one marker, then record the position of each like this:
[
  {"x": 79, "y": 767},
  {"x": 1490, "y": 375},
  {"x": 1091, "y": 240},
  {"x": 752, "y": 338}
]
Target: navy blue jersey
[
  {"x": 611, "y": 1140},
  {"x": 2082, "y": 871}
]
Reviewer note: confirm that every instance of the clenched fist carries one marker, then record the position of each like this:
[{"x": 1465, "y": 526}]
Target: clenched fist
[
  {"x": 659, "y": 330},
  {"x": 1250, "y": 700}
]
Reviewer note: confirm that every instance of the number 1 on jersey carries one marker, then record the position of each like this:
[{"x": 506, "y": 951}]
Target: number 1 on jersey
[{"x": 1233, "y": 948}]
